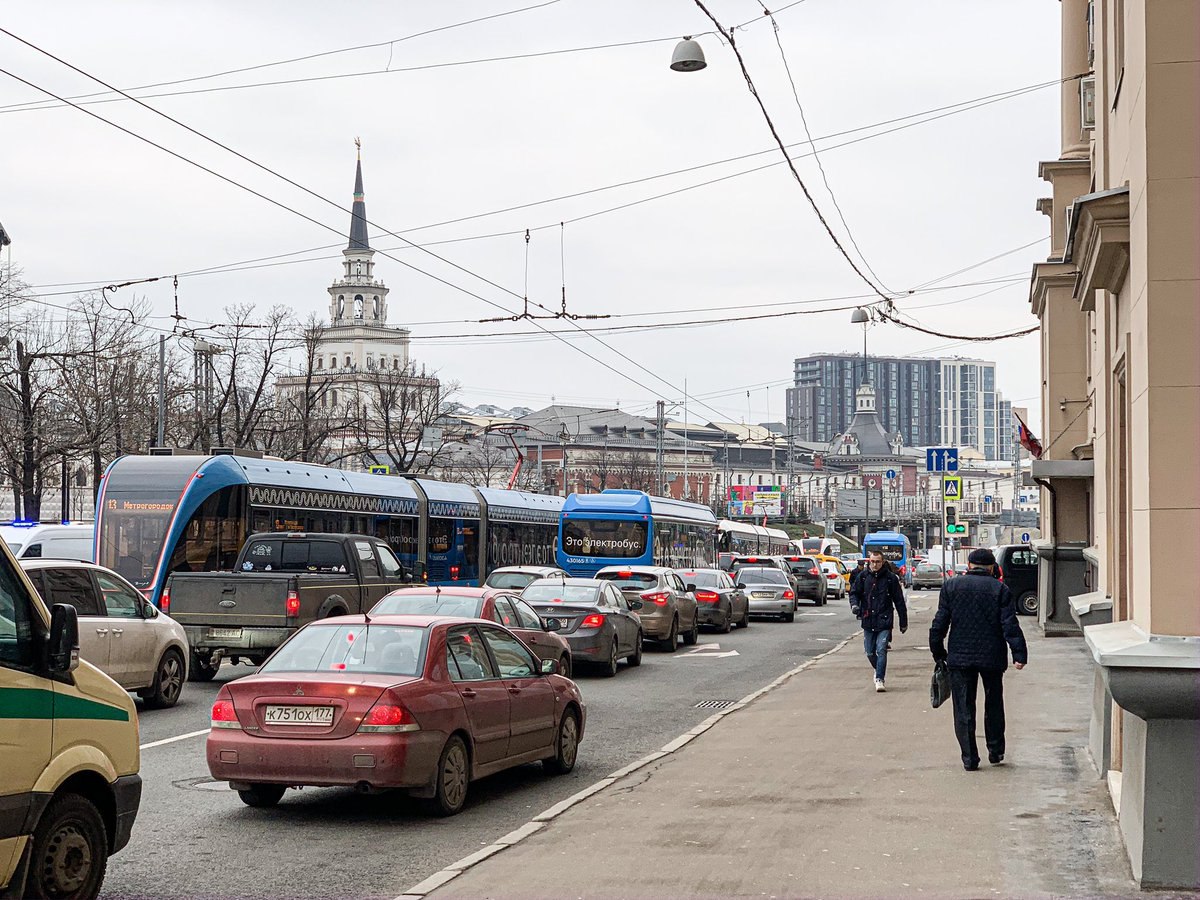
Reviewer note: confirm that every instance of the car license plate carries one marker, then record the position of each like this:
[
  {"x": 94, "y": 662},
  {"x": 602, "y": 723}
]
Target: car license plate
[
  {"x": 299, "y": 715},
  {"x": 763, "y": 595},
  {"x": 227, "y": 634}
]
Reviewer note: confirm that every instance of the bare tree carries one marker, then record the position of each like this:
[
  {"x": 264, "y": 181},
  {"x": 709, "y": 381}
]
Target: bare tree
[
  {"x": 395, "y": 411},
  {"x": 307, "y": 417},
  {"x": 487, "y": 460},
  {"x": 635, "y": 469}
]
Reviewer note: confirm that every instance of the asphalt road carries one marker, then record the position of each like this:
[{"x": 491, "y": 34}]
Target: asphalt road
[{"x": 194, "y": 838}]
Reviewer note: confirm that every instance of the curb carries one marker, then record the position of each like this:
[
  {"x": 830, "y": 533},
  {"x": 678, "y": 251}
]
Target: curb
[{"x": 542, "y": 819}]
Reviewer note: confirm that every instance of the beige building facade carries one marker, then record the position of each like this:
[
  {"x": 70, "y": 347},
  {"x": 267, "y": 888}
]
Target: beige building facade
[{"x": 1119, "y": 303}]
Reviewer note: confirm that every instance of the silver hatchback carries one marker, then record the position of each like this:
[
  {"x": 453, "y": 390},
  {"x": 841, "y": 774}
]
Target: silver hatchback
[{"x": 769, "y": 591}]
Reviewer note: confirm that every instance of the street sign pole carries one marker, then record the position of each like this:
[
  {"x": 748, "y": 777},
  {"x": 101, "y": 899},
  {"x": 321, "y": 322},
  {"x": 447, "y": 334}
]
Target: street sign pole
[{"x": 945, "y": 540}]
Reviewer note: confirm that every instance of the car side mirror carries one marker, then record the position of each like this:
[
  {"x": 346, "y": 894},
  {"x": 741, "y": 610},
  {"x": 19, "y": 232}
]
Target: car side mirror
[
  {"x": 635, "y": 604},
  {"x": 62, "y": 651},
  {"x": 150, "y": 611},
  {"x": 691, "y": 588},
  {"x": 406, "y": 578},
  {"x": 549, "y": 667}
]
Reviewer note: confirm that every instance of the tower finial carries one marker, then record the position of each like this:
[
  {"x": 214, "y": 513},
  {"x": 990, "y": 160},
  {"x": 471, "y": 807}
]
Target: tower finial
[{"x": 358, "y": 147}]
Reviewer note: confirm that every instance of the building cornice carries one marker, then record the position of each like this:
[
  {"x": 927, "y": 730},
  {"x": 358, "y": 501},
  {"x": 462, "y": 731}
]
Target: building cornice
[
  {"x": 1099, "y": 244},
  {"x": 1047, "y": 276},
  {"x": 1049, "y": 169}
]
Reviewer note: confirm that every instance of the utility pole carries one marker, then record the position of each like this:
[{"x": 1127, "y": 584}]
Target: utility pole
[
  {"x": 686, "y": 490},
  {"x": 660, "y": 426},
  {"x": 162, "y": 389}
]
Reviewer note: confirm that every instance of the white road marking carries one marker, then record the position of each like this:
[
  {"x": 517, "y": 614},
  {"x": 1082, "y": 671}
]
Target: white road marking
[
  {"x": 816, "y": 614},
  {"x": 695, "y": 654},
  {"x": 171, "y": 740}
]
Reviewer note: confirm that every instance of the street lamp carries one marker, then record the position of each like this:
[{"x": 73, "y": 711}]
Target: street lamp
[
  {"x": 861, "y": 317},
  {"x": 688, "y": 56}
]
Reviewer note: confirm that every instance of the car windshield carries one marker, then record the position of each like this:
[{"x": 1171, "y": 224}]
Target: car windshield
[
  {"x": 517, "y": 580},
  {"x": 421, "y": 603},
  {"x": 703, "y": 578},
  {"x": 630, "y": 581},
  {"x": 558, "y": 592},
  {"x": 760, "y": 575},
  {"x": 356, "y": 648}
]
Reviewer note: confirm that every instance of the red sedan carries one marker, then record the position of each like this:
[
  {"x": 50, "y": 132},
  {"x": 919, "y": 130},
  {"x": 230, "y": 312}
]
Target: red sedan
[{"x": 423, "y": 703}]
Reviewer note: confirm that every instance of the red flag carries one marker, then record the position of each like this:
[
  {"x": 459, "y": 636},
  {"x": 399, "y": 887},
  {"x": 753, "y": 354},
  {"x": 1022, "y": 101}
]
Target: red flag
[{"x": 1027, "y": 438}]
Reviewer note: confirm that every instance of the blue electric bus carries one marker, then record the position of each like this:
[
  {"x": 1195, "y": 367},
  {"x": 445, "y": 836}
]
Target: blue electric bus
[
  {"x": 191, "y": 513},
  {"x": 895, "y": 548},
  {"x": 620, "y": 527}
]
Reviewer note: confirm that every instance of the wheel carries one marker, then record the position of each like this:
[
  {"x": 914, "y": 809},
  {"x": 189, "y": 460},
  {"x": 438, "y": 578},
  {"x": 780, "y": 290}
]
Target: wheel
[
  {"x": 635, "y": 658},
  {"x": 692, "y": 636},
  {"x": 745, "y": 620},
  {"x": 668, "y": 643},
  {"x": 201, "y": 669},
  {"x": 453, "y": 778},
  {"x": 566, "y": 745},
  {"x": 1027, "y": 603},
  {"x": 168, "y": 682},
  {"x": 789, "y": 617},
  {"x": 261, "y": 796},
  {"x": 564, "y": 665},
  {"x": 70, "y": 850},
  {"x": 727, "y": 622},
  {"x": 610, "y": 665}
]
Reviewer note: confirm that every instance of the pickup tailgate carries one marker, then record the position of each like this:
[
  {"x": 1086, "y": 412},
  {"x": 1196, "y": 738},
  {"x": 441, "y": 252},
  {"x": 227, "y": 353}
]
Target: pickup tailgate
[{"x": 234, "y": 600}]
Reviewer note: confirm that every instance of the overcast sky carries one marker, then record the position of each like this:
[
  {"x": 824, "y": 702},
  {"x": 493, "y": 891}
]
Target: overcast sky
[{"x": 450, "y": 142}]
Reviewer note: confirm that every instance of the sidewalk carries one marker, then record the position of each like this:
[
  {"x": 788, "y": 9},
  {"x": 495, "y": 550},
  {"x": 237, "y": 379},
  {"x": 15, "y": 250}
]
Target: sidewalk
[{"x": 824, "y": 788}]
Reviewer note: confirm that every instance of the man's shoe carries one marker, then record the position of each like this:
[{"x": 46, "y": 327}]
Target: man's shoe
[
  {"x": 971, "y": 766},
  {"x": 879, "y": 688},
  {"x": 995, "y": 758}
]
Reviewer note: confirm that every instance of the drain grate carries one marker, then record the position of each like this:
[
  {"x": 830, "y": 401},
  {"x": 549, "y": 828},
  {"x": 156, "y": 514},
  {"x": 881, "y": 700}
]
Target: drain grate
[{"x": 713, "y": 704}]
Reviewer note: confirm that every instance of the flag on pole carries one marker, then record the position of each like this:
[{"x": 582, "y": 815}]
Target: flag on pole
[{"x": 1027, "y": 439}]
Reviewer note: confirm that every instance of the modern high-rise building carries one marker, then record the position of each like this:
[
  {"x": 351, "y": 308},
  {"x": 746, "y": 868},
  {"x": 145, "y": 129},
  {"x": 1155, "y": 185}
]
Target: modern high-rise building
[{"x": 932, "y": 402}]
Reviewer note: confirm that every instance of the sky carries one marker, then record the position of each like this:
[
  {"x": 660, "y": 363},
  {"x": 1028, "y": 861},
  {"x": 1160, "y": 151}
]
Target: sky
[{"x": 471, "y": 131}]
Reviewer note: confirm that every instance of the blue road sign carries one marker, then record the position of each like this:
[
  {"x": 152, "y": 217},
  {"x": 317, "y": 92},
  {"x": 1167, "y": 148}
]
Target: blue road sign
[
  {"x": 1025, "y": 537},
  {"x": 891, "y": 473},
  {"x": 987, "y": 498},
  {"x": 941, "y": 459}
]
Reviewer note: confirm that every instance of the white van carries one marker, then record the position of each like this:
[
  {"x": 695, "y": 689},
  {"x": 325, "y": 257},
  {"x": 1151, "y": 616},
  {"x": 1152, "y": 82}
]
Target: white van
[{"x": 31, "y": 540}]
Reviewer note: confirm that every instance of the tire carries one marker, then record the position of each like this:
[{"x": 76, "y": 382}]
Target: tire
[
  {"x": 262, "y": 796},
  {"x": 453, "y": 779},
  {"x": 1027, "y": 603},
  {"x": 789, "y": 617},
  {"x": 692, "y": 637},
  {"x": 727, "y": 624},
  {"x": 201, "y": 669},
  {"x": 566, "y": 745},
  {"x": 668, "y": 644},
  {"x": 168, "y": 682},
  {"x": 635, "y": 659},
  {"x": 69, "y": 852},
  {"x": 564, "y": 665},
  {"x": 610, "y": 666},
  {"x": 745, "y": 621}
]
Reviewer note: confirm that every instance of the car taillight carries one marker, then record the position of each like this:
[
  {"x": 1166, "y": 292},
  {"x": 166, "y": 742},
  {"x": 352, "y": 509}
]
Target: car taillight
[
  {"x": 707, "y": 596},
  {"x": 293, "y": 603},
  {"x": 751, "y": 559},
  {"x": 789, "y": 595},
  {"x": 388, "y": 717},
  {"x": 454, "y": 573},
  {"x": 659, "y": 598},
  {"x": 595, "y": 620},
  {"x": 903, "y": 569},
  {"x": 224, "y": 715},
  {"x": 624, "y": 574},
  {"x": 164, "y": 602}
]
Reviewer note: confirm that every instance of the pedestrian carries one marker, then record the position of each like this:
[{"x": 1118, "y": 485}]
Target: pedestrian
[
  {"x": 859, "y": 568},
  {"x": 877, "y": 598},
  {"x": 978, "y": 612}
]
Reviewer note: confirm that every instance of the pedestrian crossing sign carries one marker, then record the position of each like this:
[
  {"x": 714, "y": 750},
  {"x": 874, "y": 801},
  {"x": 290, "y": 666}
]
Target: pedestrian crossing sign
[{"x": 952, "y": 489}]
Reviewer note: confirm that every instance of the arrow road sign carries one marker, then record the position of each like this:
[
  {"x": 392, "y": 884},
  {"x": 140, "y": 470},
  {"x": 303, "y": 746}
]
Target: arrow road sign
[
  {"x": 941, "y": 459},
  {"x": 1025, "y": 537},
  {"x": 953, "y": 487},
  {"x": 891, "y": 473}
]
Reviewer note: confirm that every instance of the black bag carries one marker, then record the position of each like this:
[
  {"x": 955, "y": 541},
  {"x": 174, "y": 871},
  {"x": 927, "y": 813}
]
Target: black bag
[{"x": 939, "y": 685}]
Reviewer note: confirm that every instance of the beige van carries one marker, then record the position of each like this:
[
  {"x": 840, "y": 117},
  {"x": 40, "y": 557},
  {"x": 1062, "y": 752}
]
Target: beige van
[{"x": 69, "y": 783}]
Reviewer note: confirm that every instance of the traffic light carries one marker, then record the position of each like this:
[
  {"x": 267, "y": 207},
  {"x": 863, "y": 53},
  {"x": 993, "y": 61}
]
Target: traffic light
[{"x": 953, "y": 526}]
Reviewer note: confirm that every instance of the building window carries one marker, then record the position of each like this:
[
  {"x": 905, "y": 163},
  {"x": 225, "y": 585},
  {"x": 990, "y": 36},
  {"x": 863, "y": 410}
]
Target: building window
[
  {"x": 320, "y": 362},
  {"x": 396, "y": 362},
  {"x": 333, "y": 397},
  {"x": 347, "y": 360}
]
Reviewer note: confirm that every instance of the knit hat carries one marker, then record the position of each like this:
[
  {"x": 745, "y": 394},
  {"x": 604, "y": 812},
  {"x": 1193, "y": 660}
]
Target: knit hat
[{"x": 981, "y": 556}]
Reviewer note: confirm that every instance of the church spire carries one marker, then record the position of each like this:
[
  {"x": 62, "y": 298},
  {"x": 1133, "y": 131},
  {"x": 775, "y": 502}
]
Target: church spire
[{"x": 358, "y": 212}]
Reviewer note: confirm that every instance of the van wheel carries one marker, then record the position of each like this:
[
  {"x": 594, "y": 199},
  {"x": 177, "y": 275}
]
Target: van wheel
[
  {"x": 201, "y": 669},
  {"x": 168, "y": 682},
  {"x": 70, "y": 850},
  {"x": 1027, "y": 603},
  {"x": 262, "y": 795}
]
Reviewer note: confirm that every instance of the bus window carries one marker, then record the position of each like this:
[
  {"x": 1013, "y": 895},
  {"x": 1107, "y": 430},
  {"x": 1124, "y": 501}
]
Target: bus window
[{"x": 609, "y": 538}]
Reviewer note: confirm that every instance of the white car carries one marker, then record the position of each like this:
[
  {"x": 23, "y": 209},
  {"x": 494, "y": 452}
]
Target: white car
[
  {"x": 834, "y": 580},
  {"x": 517, "y": 578},
  {"x": 120, "y": 632}
]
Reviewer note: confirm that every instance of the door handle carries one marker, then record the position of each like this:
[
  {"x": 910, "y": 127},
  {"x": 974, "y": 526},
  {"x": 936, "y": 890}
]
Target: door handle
[
  {"x": 513, "y": 689},
  {"x": 468, "y": 693},
  {"x": 101, "y": 631},
  {"x": 118, "y": 631}
]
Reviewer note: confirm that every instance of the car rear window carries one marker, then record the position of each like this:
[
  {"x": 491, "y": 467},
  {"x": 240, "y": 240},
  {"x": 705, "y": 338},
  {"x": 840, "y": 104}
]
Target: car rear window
[
  {"x": 287, "y": 555},
  {"x": 630, "y": 581},
  {"x": 760, "y": 575},
  {"x": 560, "y": 593},
  {"x": 377, "y": 649},
  {"x": 420, "y": 603},
  {"x": 517, "y": 580},
  {"x": 703, "y": 579},
  {"x": 929, "y": 567}
]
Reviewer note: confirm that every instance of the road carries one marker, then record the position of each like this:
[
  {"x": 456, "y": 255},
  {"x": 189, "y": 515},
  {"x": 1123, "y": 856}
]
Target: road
[{"x": 194, "y": 838}]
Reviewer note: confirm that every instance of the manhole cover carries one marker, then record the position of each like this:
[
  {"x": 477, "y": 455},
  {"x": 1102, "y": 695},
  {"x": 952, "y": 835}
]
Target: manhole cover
[{"x": 713, "y": 704}]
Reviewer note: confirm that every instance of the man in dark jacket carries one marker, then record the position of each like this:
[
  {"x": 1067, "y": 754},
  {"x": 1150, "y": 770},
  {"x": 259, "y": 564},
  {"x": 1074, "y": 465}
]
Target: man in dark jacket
[
  {"x": 876, "y": 598},
  {"x": 980, "y": 616}
]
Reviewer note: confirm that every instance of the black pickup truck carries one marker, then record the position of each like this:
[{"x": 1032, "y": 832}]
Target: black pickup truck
[{"x": 280, "y": 582}]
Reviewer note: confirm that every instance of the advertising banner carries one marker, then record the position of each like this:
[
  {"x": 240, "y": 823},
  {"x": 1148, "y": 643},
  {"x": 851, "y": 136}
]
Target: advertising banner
[{"x": 750, "y": 500}]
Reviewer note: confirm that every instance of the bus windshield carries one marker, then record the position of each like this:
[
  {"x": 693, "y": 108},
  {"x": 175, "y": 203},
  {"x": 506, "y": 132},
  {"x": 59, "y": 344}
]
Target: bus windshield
[
  {"x": 609, "y": 538},
  {"x": 893, "y": 553},
  {"x": 133, "y": 531}
]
